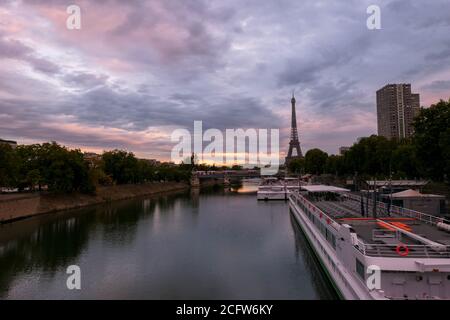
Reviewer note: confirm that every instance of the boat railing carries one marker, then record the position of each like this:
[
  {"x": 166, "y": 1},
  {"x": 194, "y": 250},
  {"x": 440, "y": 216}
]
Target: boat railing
[
  {"x": 308, "y": 206},
  {"x": 402, "y": 250},
  {"x": 424, "y": 217},
  {"x": 427, "y": 218}
]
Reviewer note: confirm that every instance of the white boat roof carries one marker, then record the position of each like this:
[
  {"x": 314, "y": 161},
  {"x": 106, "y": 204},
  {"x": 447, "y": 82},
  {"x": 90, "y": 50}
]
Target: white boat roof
[
  {"x": 413, "y": 194},
  {"x": 323, "y": 188}
]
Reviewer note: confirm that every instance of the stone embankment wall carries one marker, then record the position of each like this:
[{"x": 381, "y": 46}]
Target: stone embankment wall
[{"x": 19, "y": 206}]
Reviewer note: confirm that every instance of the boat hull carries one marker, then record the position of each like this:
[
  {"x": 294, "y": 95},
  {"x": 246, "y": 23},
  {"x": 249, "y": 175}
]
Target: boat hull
[
  {"x": 272, "y": 195},
  {"x": 343, "y": 283}
]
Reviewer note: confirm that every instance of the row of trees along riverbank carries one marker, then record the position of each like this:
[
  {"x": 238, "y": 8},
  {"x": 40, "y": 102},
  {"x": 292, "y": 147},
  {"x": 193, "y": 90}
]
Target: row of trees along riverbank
[
  {"x": 62, "y": 170},
  {"x": 425, "y": 155}
]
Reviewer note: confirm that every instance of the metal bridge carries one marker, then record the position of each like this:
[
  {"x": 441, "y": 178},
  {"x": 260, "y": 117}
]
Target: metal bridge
[{"x": 244, "y": 173}]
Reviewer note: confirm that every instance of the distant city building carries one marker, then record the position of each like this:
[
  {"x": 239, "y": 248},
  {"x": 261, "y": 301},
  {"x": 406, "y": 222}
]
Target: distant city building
[
  {"x": 343, "y": 150},
  {"x": 92, "y": 158},
  {"x": 396, "y": 109},
  {"x": 152, "y": 162},
  {"x": 13, "y": 144}
]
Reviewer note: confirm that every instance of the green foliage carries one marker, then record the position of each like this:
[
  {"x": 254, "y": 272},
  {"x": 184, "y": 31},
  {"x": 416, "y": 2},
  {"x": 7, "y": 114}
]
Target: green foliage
[
  {"x": 146, "y": 171},
  {"x": 432, "y": 141},
  {"x": 371, "y": 156},
  {"x": 297, "y": 166},
  {"x": 99, "y": 177},
  {"x": 121, "y": 166},
  {"x": 335, "y": 165},
  {"x": 30, "y": 171},
  {"x": 404, "y": 161},
  {"x": 63, "y": 170},
  {"x": 172, "y": 173},
  {"x": 315, "y": 161},
  {"x": 8, "y": 166},
  {"x": 50, "y": 164}
]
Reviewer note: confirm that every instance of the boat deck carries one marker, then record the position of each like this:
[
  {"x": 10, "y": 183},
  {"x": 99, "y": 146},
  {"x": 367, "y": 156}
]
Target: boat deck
[
  {"x": 376, "y": 231},
  {"x": 365, "y": 230}
]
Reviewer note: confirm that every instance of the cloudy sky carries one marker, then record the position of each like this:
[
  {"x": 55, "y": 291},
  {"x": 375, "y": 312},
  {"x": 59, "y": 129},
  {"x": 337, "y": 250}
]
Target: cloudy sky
[{"x": 139, "y": 69}]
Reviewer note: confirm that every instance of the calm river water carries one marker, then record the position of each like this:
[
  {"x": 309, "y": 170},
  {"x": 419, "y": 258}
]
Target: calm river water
[{"x": 213, "y": 244}]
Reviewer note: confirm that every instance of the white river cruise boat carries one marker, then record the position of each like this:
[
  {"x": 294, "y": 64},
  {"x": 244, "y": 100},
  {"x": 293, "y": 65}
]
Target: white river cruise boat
[
  {"x": 275, "y": 189},
  {"x": 408, "y": 251}
]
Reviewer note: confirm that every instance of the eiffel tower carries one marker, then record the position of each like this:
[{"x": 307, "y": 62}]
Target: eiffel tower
[{"x": 294, "y": 144}]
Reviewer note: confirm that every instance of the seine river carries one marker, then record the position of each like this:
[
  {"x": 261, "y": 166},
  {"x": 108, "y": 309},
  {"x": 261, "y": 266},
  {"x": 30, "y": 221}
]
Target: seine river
[{"x": 213, "y": 244}]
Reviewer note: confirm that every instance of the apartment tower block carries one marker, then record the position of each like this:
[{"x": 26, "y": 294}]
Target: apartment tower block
[{"x": 396, "y": 109}]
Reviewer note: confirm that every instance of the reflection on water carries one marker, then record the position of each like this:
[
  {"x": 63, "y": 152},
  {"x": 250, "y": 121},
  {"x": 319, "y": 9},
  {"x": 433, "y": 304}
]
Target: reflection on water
[
  {"x": 248, "y": 186},
  {"x": 213, "y": 244}
]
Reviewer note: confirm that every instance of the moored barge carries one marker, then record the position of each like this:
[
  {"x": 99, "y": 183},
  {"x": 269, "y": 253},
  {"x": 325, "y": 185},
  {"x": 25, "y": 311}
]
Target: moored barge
[{"x": 386, "y": 252}]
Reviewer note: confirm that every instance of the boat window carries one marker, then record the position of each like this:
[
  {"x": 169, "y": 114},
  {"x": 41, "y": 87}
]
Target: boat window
[{"x": 360, "y": 269}]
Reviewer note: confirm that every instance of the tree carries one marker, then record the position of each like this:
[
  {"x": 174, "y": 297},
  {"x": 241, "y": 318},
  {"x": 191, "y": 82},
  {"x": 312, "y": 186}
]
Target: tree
[
  {"x": 122, "y": 166},
  {"x": 432, "y": 141},
  {"x": 63, "y": 170},
  {"x": 371, "y": 155},
  {"x": 315, "y": 160},
  {"x": 404, "y": 162},
  {"x": 335, "y": 165},
  {"x": 99, "y": 177},
  {"x": 8, "y": 166},
  {"x": 30, "y": 172},
  {"x": 297, "y": 165},
  {"x": 146, "y": 171}
]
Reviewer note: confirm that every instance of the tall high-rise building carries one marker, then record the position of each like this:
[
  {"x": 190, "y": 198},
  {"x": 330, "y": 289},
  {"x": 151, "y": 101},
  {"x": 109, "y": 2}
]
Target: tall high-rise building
[{"x": 396, "y": 109}]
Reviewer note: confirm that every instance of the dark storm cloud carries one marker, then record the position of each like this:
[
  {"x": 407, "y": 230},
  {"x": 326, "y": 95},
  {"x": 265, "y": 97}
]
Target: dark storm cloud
[
  {"x": 138, "y": 111},
  {"x": 438, "y": 85},
  {"x": 16, "y": 50},
  {"x": 84, "y": 80}
]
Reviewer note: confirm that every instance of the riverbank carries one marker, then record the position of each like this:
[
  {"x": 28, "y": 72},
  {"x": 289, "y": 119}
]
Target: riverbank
[{"x": 17, "y": 207}]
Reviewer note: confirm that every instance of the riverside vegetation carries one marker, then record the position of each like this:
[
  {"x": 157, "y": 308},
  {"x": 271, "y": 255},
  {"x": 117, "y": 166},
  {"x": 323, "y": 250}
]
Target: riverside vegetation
[{"x": 60, "y": 170}]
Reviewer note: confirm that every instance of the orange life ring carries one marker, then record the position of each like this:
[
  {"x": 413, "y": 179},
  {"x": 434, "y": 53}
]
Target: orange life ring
[{"x": 402, "y": 250}]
